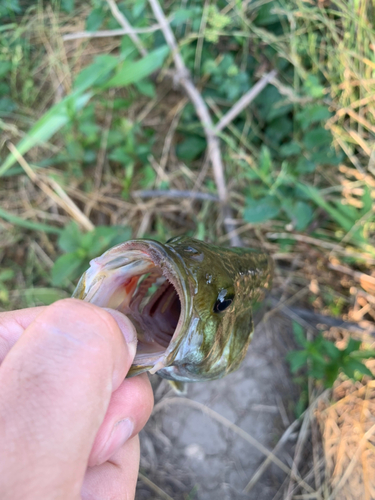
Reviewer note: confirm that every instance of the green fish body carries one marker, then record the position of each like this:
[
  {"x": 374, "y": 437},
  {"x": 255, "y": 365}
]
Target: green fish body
[{"x": 191, "y": 302}]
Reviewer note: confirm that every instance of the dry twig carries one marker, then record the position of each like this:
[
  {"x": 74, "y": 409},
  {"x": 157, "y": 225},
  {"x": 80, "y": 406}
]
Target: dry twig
[
  {"x": 175, "y": 193},
  {"x": 121, "y": 19},
  {"x": 183, "y": 78},
  {"x": 109, "y": 33}
]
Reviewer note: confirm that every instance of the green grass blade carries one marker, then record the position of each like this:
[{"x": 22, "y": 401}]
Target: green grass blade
[
  {"x": 131, "y": 72},
  {"x": 48, "y": 125},
  {"x": 28, "y": 224},
  {"x": 315, "y": 196}
]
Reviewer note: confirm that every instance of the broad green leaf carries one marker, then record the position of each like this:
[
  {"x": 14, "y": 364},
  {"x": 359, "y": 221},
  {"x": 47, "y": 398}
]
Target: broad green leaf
[
  {"x": 297, "y": 359},
  {"x": 299, "y": 334},
  {"x": 312, "y": 114},
  {"x": 5, "y": 67},
  {"x": 67, "y": 5},
  {"x": 290, "y": 149},
  {"x": 146, "y": 88},
  {"x": 353, "y": 345},
  {"x": 70, "y": 238},
  {"x": 95, "y": 19},
  {"x": 303, "y": 215},
  {"x": 191, "y": 147},
  {"x": 98, "y": 70},
  {"x": 313, "y": 87},
  {"x": 317, "y": 138},
  {"x": 65, "y": 267},
  {"x": 134, "y": 71},
  {"x": 257, "y": 211},
  {"x": 365, "y": 354},
  {"x": 353, "y": 365}
]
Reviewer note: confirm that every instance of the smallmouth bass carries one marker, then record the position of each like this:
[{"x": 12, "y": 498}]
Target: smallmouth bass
[{"x": 190, "y": 302}]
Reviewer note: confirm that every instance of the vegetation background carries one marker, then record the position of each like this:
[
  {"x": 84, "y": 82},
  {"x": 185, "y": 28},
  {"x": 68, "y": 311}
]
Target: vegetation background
[{"x": 100, "y": 142}]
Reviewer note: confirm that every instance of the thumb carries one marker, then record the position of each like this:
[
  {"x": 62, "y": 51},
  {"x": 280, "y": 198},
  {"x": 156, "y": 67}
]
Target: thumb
[{"x": 55, "y": 387}]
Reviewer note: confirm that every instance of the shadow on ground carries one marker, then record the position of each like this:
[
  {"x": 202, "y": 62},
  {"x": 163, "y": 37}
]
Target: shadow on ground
[{"x": 190, "y": 455}]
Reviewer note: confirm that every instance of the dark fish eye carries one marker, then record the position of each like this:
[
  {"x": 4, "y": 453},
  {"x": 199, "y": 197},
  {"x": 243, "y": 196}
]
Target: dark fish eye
[{"x": 221, "y": 305}]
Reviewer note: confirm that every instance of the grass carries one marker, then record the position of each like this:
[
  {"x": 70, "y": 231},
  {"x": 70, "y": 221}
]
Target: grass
[{"x": 95, "y": 123}]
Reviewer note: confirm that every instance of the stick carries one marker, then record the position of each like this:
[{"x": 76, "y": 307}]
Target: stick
[
  {"x": 57, "y": 194},
  {"x": 121, "y": 19},
  {"x": 175, "y": 193},
  {"x": 109, "y": 33},
  {"x": 245, "y": 100},
  {"x": 213, "y": 145}
]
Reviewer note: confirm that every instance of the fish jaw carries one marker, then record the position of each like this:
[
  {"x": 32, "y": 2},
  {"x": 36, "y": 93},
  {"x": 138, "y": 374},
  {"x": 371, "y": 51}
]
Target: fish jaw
[
  {"x": 204, "y": 342},
  {"x": 112, "y": 280}
]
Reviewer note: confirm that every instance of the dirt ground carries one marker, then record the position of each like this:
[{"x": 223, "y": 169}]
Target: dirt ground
[{"x": 191, "y": 455}]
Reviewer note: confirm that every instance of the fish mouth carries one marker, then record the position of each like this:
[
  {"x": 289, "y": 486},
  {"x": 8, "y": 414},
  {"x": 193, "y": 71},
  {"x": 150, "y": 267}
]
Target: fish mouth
[{"x": 140, "y": 280}]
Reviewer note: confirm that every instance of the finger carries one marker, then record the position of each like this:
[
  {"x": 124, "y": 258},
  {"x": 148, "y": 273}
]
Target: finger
[
  {"x": 13, "y": 324},
  {"x": 129, "y": 409},
  {"x": 56, "y": 386},
  {"x": 115, "y": 479}
]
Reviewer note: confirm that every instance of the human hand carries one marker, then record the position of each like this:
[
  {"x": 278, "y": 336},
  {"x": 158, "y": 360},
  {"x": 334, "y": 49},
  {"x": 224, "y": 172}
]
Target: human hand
[{"x": 68, "y": 419}]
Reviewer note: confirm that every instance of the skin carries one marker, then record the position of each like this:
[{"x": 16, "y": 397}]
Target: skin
[{"x": 64, "y": 404}]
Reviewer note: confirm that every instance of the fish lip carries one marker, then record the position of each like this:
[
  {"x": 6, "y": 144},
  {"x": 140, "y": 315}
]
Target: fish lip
[{"x": 166, "y": 259}]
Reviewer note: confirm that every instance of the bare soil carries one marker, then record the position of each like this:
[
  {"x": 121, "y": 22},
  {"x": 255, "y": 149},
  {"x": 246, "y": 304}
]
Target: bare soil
[{"x": 191, "y": 455}]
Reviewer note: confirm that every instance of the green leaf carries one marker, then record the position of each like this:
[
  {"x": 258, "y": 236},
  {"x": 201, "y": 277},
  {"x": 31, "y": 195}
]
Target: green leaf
[
  {"x": 71, "y": 238},
  {"x": 290, "y": 149},
  {"x": 146, "y": 88},
  {"x": 257, "y": 211},
  {"x": 6, "y": 274},
  {"x": 67, "y": 5},
  {"x": 131, "y": 72},
  {"x": 353, "y": 365},
  {"x": 312, "y": 86},
  {"x": 312, "y": 114},
  {"x": 303, "y": 215},
  {"x": 65, "y": 267},
  {"x": 299, "y": 334},
  {"x": 180, "y": 16},
  {"x": 265, "y": 161},
  {"x": 191, "y": 147},
  {"x": 317, "y": 138},
  {"x": 364, "y": 354},
  {"x": 297, "y": 359},
  {"x": 332, "y": 351},
  {"x": 313, "y": 193},
  {"x": 93, "y": 74},
  {"x": 5, "y": 67},
  {"x": 95, "y": 19},
  {"x": 353, "y": 345}
]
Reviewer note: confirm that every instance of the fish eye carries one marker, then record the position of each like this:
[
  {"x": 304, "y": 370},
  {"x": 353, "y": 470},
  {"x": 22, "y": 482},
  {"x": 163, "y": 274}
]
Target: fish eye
[
  {"x": 224, "y": 300},
  {"x": 221, "y": 305}
]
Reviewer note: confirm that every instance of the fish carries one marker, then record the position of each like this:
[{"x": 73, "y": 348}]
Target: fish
[{"x": 192, "y": 303}]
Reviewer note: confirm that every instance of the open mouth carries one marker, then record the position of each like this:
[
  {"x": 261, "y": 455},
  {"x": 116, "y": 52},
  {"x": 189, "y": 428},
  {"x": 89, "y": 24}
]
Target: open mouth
[{"x": 146, "y": 292}]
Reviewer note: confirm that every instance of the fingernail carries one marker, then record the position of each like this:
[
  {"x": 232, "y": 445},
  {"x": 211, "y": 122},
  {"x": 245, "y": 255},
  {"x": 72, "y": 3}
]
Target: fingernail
[
  {"x": 118, "y": 437},
  {"x": 127, "y": 328}
]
